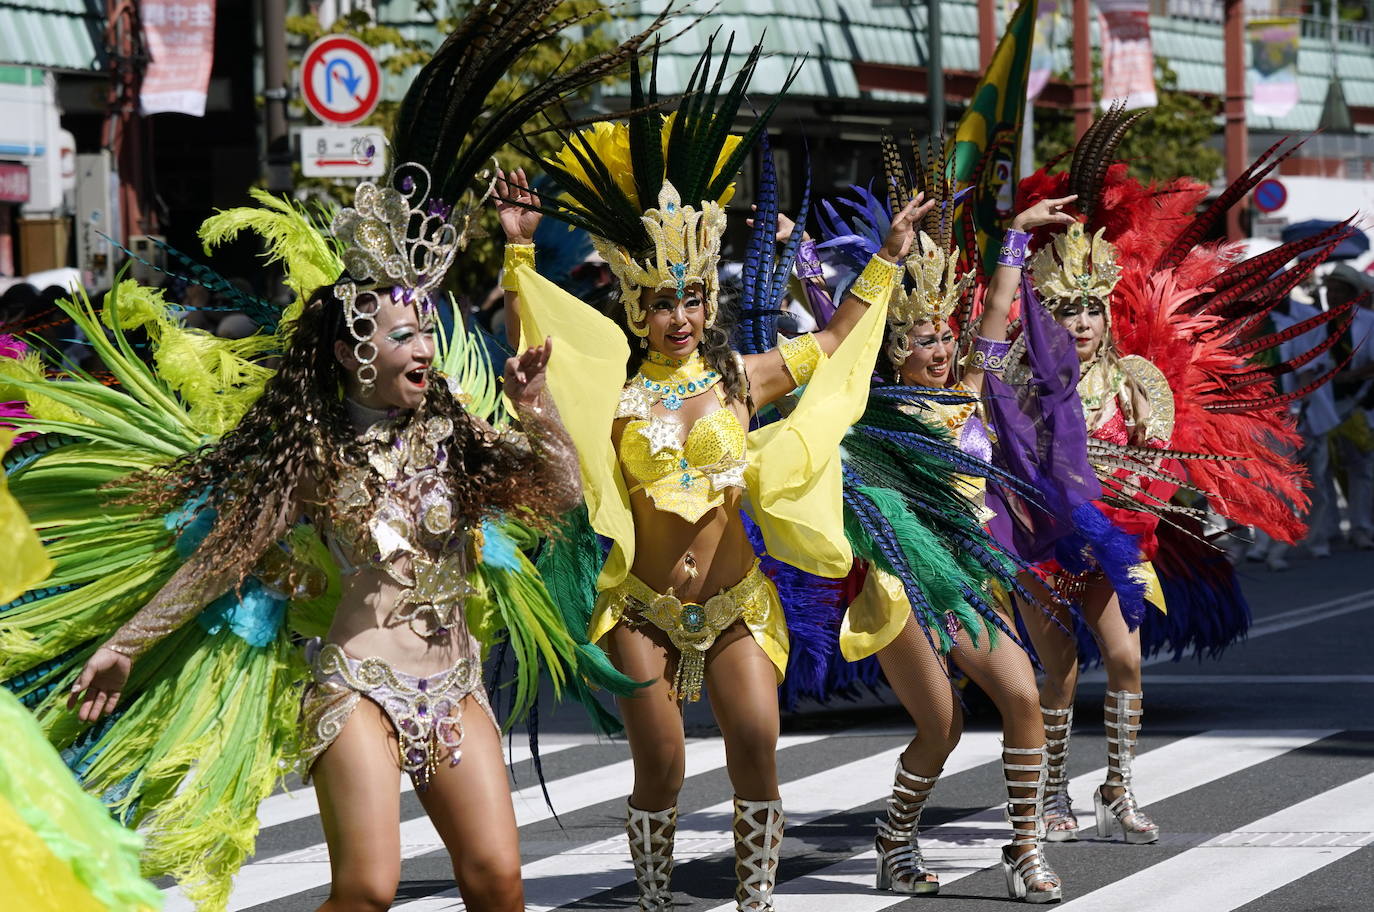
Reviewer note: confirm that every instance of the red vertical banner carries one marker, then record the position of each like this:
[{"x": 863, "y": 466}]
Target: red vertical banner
[
  {"x": 181, "y": 42},
  {"x": 1128, "y": 60}
]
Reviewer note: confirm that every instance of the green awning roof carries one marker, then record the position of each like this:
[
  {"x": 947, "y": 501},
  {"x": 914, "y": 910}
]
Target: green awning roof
[{"x": 54, "y": 34}]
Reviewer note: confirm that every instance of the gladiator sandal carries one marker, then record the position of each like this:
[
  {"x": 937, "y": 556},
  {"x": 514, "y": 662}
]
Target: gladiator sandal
[
  {"x": 651, "y": 849},
  {"x": 903, "y": 869},
  {"x": 1121, "y": 717},
  {"x": 758, "y": 843},
  {"x": 1029, "y": 876},
  {"x": 1058, "y": 818}
]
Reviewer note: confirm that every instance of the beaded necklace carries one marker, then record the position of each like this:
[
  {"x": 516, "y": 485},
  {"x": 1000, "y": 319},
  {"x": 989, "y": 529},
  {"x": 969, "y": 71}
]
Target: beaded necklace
[{"x": 671, "y": 380}]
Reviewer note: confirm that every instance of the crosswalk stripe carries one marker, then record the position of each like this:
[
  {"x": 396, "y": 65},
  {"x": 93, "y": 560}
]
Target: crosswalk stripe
[
  {"x": 603, "y": 865},
  {"x": 1210, "y": 877},
  {"x": 298, "y": 804},
  {"x": 971, "y": 844},
  {"x": 293, "y": 872}
]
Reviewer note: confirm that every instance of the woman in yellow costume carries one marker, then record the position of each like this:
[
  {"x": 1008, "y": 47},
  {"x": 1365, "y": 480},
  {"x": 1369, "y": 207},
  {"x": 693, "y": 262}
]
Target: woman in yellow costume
[
  {"x": 60, "y": 851},
  {"x": 667, "y": 460},
  {"x": 1164, "y": 327},
  {"x": 922, "y": 349}
]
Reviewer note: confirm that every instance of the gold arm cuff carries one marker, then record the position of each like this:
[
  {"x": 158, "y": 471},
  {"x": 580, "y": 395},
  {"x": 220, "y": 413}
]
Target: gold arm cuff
[
  {"x": 801, "y": 354},
  {"x": 874, "y": 285},
  {"x": 516, "y": 255}
]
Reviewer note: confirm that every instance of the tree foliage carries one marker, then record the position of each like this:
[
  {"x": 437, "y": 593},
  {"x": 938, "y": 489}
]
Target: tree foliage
[
  {"x": 400, "y": 55},
  {"x": 1172, "y": 140}
]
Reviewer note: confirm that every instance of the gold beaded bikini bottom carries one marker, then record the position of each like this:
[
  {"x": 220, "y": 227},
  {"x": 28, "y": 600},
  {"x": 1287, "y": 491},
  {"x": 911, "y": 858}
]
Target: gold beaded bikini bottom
[
  {"x": 693, "y": 627},
  {"x": 427, "y": 712}
]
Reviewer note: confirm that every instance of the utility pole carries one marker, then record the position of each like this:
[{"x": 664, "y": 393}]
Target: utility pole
[
  {"x": 1082, "y": 70},
  {"x": 277, "y": 165},
  {"x": 987, "y": 32},
  {"x": 1237, "y": 143},
  {"x": 935, "y": 72}
]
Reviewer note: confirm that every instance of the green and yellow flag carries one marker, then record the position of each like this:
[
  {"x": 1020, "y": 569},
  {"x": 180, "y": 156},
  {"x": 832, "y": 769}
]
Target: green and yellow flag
[{"x": 986, "y": 142}]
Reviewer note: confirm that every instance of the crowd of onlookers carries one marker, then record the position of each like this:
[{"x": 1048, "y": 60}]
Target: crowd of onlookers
[{"x": 1336, "y": 421}]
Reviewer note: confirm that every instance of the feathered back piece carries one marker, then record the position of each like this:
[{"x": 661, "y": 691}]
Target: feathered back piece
[
  {"x": 650, "y": 190},
  {"x": 1192, "y": 309}
]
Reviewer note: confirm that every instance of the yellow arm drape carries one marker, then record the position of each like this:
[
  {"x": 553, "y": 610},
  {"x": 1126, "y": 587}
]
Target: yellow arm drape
[
  {"x": 586, "y": 375},
  {"x": 793, "y": 478}
]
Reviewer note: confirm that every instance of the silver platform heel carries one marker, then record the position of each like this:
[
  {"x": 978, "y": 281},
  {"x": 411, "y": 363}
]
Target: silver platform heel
[
  {"x": 758, "y": 845},
  {"x": 651, "y": 850},
  {"x": 1023, "y": 861},
  {"x": 1123, "y": 728},
  {"x": 903, "y": 869},
  {"x": 1058, "y": 818}
]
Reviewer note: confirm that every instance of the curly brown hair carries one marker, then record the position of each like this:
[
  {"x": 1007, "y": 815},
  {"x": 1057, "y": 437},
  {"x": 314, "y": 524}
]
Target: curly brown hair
[{"x": 299, "y": 433}]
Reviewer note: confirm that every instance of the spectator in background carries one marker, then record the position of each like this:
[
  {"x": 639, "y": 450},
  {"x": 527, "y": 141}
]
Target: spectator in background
[
  {"x": 16, "y": 304},
  {"x": 1353, "y": 389},
  {"x": 1316, "y": 419}
]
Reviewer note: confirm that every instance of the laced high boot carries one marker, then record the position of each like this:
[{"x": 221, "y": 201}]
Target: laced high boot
[
  {"x": 903, "y": 869},
  {"x": 1113, "y": 801},
  {"x": 1060, "y": 824},
  {"x": 651, "y": 849},
  {"x": 758, "y": 844},
  {"x": 1029, "y": 876}
]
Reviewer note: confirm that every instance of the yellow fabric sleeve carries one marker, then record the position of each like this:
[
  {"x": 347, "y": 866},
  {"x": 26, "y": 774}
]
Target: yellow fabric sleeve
[
  {"x": 515, "y": 256},
  {"x": 585, "y": 376},
  {"x": 18, "y": 540},
  {"x": 875, "y": 617},
  {"x": 793, "y": 476}
]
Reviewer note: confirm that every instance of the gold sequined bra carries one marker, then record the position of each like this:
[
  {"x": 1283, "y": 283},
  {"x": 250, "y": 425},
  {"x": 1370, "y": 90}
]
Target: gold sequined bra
[{"x": 684, "y": 476}]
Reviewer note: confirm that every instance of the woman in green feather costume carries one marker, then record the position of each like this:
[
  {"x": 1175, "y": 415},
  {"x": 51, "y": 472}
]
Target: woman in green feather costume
[{"x": 171, "y": 509}]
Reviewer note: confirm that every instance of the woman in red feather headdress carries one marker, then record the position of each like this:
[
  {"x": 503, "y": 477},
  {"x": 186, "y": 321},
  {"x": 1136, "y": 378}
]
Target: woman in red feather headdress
[{"x": 1165, "y": 324}]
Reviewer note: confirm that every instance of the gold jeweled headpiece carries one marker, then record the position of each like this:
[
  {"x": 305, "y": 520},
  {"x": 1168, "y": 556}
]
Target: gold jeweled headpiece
[
  {"x": 938, "y": 290},
  {"x": 686, "y": 251},
  {"x": 1075, "y": 266},
  {"x": 395, "y": 237}
]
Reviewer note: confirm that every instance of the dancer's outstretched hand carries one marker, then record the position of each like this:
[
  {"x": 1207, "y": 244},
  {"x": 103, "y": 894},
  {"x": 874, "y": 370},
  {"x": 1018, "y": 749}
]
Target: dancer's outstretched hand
[
  {"x": 100, "y": 684},
  {"x": 897, "y": 244},
  {"x": 1045, "y": 212},
  {"x": 517, "y": 221},
  {"x": 526, "y": 375}
]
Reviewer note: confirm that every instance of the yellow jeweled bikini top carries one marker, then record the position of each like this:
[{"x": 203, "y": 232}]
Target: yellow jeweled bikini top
[{"x": 687, "y": 477}]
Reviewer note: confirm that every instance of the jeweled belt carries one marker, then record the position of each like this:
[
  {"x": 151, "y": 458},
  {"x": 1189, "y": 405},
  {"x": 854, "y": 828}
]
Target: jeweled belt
[{"x": 692, "y": 626}]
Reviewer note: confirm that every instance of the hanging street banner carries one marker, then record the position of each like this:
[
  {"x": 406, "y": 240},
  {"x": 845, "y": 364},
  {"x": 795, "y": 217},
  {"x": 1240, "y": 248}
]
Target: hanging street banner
[
  {"x": 986, "y": 142},
  {"x": 1128, "y": 60},
  {"x": 1273, "y": 74},
  {"x": 1042, "y": 51},
  {"x": 181, "y": 42}
]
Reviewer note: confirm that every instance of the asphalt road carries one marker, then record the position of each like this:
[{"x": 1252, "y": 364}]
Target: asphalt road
[{"x": 1259, "y": 767}]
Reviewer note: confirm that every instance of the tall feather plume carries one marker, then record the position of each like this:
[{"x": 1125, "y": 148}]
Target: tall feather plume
[
  {"x": 1092, "y": 156},
  {"x": 696, "y": 162},
  {"x": 449, "y": 123},
  {"x": 765, "y": 273}
]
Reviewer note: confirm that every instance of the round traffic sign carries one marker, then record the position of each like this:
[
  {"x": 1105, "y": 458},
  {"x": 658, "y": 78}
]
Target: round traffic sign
[
  {"x": 1270, "y": 195},
  {"x": 340, "y": 80}
]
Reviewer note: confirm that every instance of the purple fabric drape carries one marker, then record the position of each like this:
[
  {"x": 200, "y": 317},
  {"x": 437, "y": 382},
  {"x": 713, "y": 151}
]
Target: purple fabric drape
[{"x": 1042, "y": 437}]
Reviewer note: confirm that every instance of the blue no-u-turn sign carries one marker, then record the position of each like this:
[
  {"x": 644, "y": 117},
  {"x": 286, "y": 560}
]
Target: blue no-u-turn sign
[
  {"x": 340, "y": 80},
  {"x": 1270, "y": 195}
]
